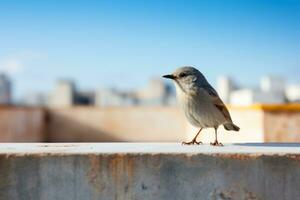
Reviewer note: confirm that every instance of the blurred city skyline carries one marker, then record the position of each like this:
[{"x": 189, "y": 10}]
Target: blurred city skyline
[{"x": 123, "y": 44}]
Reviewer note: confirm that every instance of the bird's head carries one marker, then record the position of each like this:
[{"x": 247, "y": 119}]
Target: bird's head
[{"x": 187, "y": 78}]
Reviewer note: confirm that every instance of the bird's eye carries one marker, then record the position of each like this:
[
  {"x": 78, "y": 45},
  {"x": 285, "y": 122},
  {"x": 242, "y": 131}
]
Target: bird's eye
[{"x": 181, "y": 75}]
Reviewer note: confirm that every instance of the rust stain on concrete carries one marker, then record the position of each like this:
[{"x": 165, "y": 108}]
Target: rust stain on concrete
[
  {"x": 122, "y": 169},
  {"x": 112, "y": 171},
  {"x": 94, "y": 170},
  {"x": 231, "y": 194},
  {"x": 240, "y": 156},
  {"x": 250, "y": 196},
  {"x": 253, "y": 156},
  {"x": 293, "y": 156}
]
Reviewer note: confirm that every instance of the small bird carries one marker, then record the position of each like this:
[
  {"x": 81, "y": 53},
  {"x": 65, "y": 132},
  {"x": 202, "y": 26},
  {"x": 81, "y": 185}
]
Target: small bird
[{"x": 200, "y": 102}]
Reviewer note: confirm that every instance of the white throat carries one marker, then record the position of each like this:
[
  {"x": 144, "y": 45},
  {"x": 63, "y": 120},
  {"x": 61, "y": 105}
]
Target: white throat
[{"x": 181, "y": 95}]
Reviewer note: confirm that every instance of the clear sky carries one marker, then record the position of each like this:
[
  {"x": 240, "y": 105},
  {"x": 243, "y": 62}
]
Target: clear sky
[{"x": 124, "y": 43}]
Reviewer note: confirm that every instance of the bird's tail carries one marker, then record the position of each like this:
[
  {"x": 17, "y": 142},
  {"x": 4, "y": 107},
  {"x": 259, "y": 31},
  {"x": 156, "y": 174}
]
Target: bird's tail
[{"x": 231, "y": 127}]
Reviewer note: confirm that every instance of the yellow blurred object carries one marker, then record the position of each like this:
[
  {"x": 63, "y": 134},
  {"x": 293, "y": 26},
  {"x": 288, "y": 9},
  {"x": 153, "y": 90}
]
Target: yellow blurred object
[{"x": 269, "y": 107}]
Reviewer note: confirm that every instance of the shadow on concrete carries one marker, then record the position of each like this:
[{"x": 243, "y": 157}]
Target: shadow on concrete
[
  {"x": 61, "y": 128},
  {"x": 273, "y": 144}
]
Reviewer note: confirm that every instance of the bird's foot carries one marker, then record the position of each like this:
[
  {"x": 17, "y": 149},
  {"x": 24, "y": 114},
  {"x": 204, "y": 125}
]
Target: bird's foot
[
  {"x": 216, "y": 143},
  {"x": 193, "y": 142}
]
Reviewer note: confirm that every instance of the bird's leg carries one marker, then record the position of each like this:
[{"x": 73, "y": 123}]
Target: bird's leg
[
  {"x": 216, "y": 143},
  {"x": 194, "y": 141}
]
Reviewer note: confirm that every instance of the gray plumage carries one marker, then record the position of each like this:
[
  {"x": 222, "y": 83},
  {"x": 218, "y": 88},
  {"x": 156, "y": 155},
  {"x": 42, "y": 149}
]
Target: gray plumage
[{"x": 200, "y": 102}]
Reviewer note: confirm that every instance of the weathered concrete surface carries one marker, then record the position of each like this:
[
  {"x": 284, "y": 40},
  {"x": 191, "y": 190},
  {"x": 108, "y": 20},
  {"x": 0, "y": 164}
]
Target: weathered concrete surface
[
  {"x": 149, "y": 171},
  {"x": 143, "y": 124},
  {"x": 258, "y": 123},
  {"x": 22, "y": 124},
  {"x": 116, "y": 124},
  {"x": 282, "y": 126}
]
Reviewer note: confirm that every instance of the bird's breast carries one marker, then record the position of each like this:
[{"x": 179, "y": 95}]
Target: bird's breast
[
  {"x": 188, "y": 106},
  {"x": 199, "y": 110}
]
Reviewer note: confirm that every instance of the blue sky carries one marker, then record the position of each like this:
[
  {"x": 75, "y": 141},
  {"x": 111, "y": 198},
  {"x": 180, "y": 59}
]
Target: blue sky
[{"x": 124, "y": 43}]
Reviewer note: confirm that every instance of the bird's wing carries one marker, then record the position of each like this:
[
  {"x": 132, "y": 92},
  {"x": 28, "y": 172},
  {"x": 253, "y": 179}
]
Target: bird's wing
[{"x": 218, "y": 102}]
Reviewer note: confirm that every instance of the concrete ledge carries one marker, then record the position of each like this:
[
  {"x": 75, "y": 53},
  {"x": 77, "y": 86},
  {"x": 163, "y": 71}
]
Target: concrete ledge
[
  {"x": 252, "y": 149},
  {"x": 149, "y": 171}
]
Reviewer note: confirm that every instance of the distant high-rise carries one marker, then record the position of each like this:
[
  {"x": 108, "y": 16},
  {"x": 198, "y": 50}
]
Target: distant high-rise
[
  {"x": 63, "y": 94},
  {"x": 5, "y": 90},
  {"x": 293, "y": 93},
  {"x": 273, "y": 84},
  {"x": 156, "y": 93},
  {"x": 34, "y": 99},
  {"x": 225, "y": 86},
  {"x": 66, "y": 94},
  {"x": 271, "y": 91},
  {"x": 113, "y": 97},
  {"x": 244, "y": 97},
  {"x": 85, "y": 98}
]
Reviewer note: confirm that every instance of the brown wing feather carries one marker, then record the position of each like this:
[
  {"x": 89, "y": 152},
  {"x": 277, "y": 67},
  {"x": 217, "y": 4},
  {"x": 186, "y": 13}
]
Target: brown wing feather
[{"x": 218, "y": 103}]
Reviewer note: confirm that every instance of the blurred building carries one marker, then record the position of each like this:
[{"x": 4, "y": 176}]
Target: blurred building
[
  {"x": 5, "y": 90},
  {"x": 272, "y": 90},
  {"x": 273, "y": 84},
  {"x": 156, "y": 93},
  {"x": 66, "y": 94},
  {"x": 114, "y": 97},
  {"x": 35, "y": 99},
  {"x": 293, "y": 93},
  {"x": 63, "y": 94},
  {"x": 84, "y": 98},
  {"x": 246, "y": 97},
  {"x": 225, "y": 86}
]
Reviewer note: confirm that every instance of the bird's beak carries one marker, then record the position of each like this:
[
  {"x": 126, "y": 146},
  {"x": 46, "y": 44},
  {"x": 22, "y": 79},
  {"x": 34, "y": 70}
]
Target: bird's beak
[{"x": 169, "y": 76}]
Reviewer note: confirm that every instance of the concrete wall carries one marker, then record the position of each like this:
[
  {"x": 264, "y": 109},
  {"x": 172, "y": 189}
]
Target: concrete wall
[
  {"x": 261, "y": 123},
  {"x": 282, "y": 125},
  {"x": 251, "y": 122},
  {"x": 90, "y": 124},
  {"x": 258, "y": 123},
  {"x": 153, "y": 124},
  {"x": 20, "y": 124},
  {"x": 139, "y": 171}
]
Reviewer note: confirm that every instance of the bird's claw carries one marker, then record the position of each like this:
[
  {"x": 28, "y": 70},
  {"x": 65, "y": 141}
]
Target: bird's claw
[
  {"x": 216, "y": 143},
  {"x": 191, "y": 143}
]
